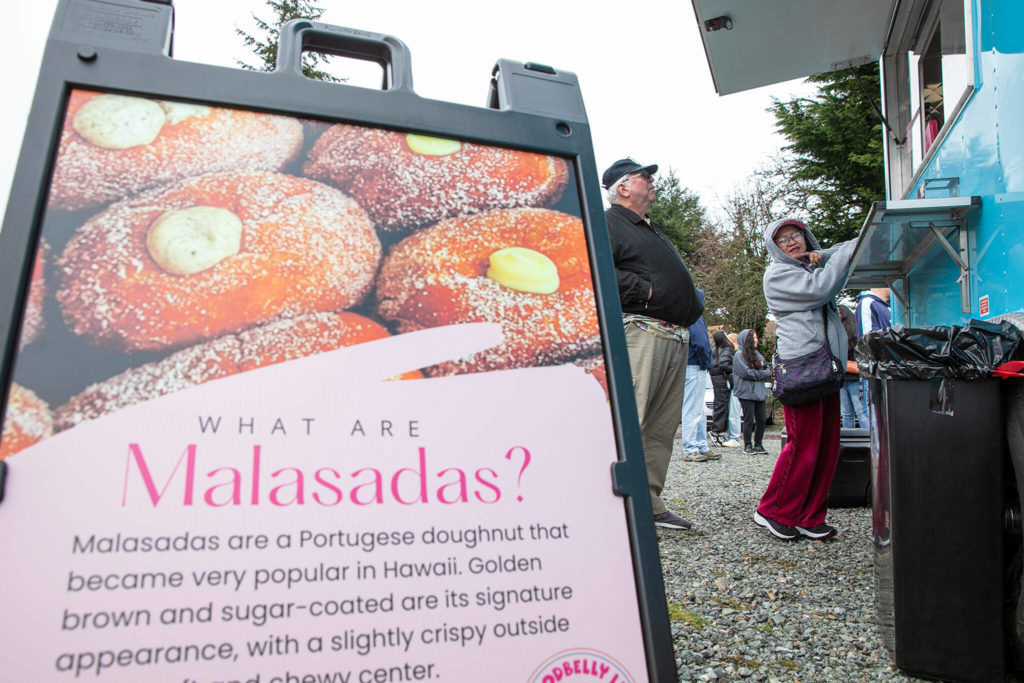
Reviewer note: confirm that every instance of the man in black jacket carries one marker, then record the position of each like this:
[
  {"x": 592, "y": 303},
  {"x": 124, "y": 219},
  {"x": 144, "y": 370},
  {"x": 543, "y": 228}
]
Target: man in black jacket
[{"x": 659, "y": 301}]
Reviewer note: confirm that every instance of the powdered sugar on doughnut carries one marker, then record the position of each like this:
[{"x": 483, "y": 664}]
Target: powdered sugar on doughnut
[
  {"x": 32, "y": 322},
  {"x": 181, "y": 370},
  {"x": 305, "y": 247},
  {"x": 27, "y": 420},
  {"x": 221, "y": 140},
  {"x": 261, "y": 346},
  {"x": 437, "y": 277},
  {"x": 402, "y": 189}
]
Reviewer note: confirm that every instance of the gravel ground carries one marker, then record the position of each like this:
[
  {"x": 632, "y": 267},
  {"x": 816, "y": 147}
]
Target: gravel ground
[{"x": 746, "y": 606}]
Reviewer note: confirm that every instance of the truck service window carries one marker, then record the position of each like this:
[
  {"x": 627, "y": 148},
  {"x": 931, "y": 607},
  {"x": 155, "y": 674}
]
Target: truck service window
[{"x": 939, "y": 76}]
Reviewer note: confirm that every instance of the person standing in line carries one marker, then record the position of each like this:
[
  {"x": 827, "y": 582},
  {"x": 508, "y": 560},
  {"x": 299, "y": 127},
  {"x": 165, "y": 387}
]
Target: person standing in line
[
  {"x": 853, "y": 408},
  {"x": 800, "y": 287},
  {"x": 735, "y": 411},
  {"x": 749, "y": 373},
  {"x": 721, "y": 381},
  {"x": 873, "y": 313},
  {"x": 659, "y": 303},
  {"x": 694, "y": 419}
]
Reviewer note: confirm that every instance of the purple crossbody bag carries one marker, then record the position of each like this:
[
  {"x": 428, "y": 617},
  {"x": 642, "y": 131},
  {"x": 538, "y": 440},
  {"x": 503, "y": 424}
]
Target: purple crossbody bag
[{"x": 809, "y": 377}]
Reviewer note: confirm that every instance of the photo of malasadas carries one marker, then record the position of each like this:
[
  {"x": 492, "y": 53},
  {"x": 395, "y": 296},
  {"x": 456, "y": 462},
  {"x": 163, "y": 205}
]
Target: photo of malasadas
[
  {"x": 32, "y": 321},
  {"x": 115, "y": 146},
  {"x": 406, "y": 180},
  {"x": 187, "y": 246},
  {"x": 526, "y": 269},
  {"x": 213, "y": 255},
  {"x": 27, "y": 420},
  {"x": 231, "y": 354}
]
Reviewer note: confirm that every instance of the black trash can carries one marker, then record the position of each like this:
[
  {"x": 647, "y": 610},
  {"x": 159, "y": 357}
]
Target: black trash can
[
  {"x": 939, "y": 471},
  {"x": 937, "y": 524},
  {"x": 851, "y": 484}
]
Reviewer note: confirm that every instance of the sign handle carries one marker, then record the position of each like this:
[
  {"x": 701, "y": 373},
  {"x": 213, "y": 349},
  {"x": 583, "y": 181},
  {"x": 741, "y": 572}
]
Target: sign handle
[{"x": 300, "y": 35}]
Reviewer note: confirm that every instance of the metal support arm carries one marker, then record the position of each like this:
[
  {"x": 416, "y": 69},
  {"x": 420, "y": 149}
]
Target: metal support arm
[{"x": 960, "y": 259}]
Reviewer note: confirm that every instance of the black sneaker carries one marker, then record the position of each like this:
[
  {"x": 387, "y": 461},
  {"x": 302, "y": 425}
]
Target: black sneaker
[
  {"x": 759, "y": 449},
  {"x": 819, "y": 532},
  {"x": 778, "y": 530},
  {"x": 749, "y": 450},
  {"x": 668, "y": 520}
]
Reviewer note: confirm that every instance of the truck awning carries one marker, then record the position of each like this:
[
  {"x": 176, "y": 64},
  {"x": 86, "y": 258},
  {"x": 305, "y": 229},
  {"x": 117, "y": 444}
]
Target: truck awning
[
  {"x": 898, "y": 234},
  {"x": 771, "y": 41}
]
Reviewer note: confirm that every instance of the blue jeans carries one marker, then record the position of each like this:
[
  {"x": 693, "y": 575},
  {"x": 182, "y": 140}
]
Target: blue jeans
[
  {"x": 865, "y": 397},
  {"x": 735, "y": 413},
  {"x": 852, "y": 405},
  {"x": 695, "y": 425}
]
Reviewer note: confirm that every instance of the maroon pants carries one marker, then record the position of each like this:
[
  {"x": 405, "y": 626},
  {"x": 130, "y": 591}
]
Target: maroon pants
[{"x": 797, "y": 494}]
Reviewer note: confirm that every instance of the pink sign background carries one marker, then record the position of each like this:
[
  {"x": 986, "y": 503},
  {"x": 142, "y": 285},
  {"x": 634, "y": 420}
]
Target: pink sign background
[{"x": 333, "y": 526}]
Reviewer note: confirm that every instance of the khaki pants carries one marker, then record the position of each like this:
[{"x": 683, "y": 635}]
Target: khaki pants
[{"x": 659, "y": 370}]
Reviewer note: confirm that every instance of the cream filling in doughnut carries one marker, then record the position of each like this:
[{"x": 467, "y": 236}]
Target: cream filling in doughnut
[
  {"x": 119, "y": 122},
  {"x": 431, "y": 146},
  {"x": 179, "y": 111},
  {"x": 191, "y": 240},
  {"x": 523, "y": 270}
]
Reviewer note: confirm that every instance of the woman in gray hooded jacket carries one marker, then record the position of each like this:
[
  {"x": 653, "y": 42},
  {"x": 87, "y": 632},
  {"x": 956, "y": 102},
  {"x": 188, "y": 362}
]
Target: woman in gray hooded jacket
[
  {"x": 800, "y": 287},
  {"x": 749, "y": 372}
]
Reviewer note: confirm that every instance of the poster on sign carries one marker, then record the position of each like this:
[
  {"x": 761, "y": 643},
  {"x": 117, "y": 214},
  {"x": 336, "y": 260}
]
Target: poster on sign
[{"x": 301, "y": 400}]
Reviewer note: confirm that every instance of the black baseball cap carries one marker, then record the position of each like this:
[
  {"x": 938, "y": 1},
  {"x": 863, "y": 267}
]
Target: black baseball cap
[{"x": 624, "y": 167}]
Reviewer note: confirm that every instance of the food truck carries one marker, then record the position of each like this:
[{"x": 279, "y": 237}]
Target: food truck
[
  {"x": 948, "y": 241},
  {"x": 307, "y": 381}
]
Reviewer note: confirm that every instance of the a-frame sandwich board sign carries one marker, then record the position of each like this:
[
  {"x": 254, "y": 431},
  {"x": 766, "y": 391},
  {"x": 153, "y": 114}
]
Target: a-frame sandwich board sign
[{"x": 304, "y": 381}]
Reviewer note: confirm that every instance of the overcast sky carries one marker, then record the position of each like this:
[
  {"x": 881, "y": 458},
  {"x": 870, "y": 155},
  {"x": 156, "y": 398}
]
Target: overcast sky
[{"x": 641, "y": 67}]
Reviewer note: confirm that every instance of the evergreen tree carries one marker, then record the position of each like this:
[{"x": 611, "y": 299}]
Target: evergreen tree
[
  {"x": 266, "y": 47},
  {"x": 679, "y": 214},
  {"x": 835, "y": 164},
  {"x": 730, "y": 263}
]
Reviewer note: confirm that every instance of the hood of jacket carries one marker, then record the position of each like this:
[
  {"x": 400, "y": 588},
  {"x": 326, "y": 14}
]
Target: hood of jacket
[
  {"x": 741, "y": 339},
  {"x": 775, "y": 251}
]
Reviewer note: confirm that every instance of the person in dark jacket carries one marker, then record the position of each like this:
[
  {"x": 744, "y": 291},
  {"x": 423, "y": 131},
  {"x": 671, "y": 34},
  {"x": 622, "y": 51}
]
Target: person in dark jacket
[
  {"x": 749, "y": 373},
  {"x": 873, "y": 313},
  {"x": 721, "y": 381},
  {"x": 695, "y": 422},
  {"x": 659, "y": 303}
]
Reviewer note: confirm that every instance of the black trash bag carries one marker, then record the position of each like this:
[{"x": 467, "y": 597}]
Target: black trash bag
[
  {"x": 938, "y": 353},
  {"x": 969, "y": 352}
]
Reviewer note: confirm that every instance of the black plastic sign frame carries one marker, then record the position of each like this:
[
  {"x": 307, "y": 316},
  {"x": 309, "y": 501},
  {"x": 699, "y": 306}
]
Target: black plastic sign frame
[{"x": 414, "y": 566}]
